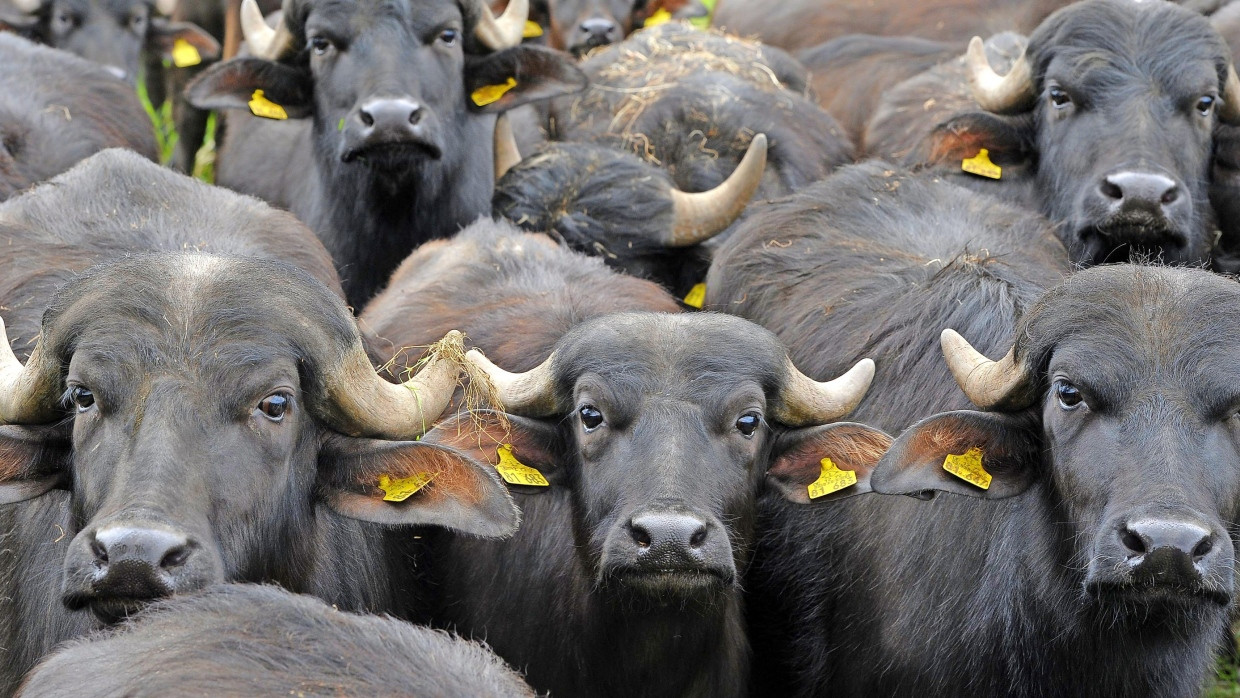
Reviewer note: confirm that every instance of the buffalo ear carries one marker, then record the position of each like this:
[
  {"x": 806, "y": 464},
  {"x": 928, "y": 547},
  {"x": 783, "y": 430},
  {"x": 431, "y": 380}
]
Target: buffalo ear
[
  {"x": 481, "y": 433},
  {"x": 536, "y": 73},
  {"x": 163, "y": 35},
  {"x": 799, "y": 456},
  {"x": 983, "y": 443},
  {"x": 33, "y": 460},
  {"x": 231, "y": 85},
  {"x": 364, "y": 478},
  {"x": 963, "y": 136}
]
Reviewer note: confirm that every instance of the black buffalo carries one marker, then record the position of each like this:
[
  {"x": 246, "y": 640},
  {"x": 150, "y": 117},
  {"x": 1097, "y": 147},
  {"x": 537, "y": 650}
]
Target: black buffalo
[
  {"x": 1099, "y": 559},
  {"x": 239, "y": 639},
  {"x": 186, "y": 417},
  {"x": 393, "y": 107},
  {"x": 580, "y": 25},
  {"x": 112, "y": 33},
  {"x": 57, "y": 109}
]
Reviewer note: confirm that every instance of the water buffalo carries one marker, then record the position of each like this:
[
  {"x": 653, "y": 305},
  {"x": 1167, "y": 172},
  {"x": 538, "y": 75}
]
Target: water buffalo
[
  {"x": 1091, "y": 524},
  {"x": 240, "y": 639},
  {"x": 139, "y": 480},
  {"x": 56, "y": 109},
  {"x": 112, "y": 33},
  {"x": 393, "y": 108}
]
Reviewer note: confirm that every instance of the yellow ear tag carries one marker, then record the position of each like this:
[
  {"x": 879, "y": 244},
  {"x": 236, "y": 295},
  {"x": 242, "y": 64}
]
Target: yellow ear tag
[
  {"x": 660, "y": 16},
  {"x": 832, "y": 479},
  {"x": 402, "y": 488},
  {"x": 515, "y": 472},
  {"x": 184, "y": 54},
  {"x": 981, "y": 165},
  {"x": 968, "y": 467},
  {"x": 696, "y": 296},
  {"x": 261, "y": 106},
  {"x": 532, "y": 30},
  {"x": 488, "y": 94}
]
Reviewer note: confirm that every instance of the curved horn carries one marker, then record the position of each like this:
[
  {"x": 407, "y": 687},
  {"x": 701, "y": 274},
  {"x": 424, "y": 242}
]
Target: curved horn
[
  {"x": 27, "y": 393},
  {"x": 989, "y": 384},
  {"x": 529, "y": 394},
  {"x": 165, "y": 7},
  {"x": 1230, "y": 111},
  {"x": 699, "y": 217},
  {"x": 505, "y": 32},
  {"x": 806, "y": 402},
  {"x": 363, "y": 404},
  {"x": 264, "y": 42},
  {"x": 1004, "y": 94},
  {"x": 506, "y": 152}
]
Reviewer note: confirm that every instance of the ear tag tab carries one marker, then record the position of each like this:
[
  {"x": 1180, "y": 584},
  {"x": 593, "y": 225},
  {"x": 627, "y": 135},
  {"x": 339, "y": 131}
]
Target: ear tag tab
[
  {"x": 403, "y": 488},
  {"x": 515, "y": 472},
  {"x": 968, "y": 467},
  {"x": 660, "y": 16},
  {"x": 489, "y": 94},
  {"x": 184, "y": 54},
  {"x": 532, "y": 30},
  {"x": 261, "y": 106},
  {"x": 832, "y": 479},
  {"x": 696, "y": 296},
  {"x": 981, "y": 165}
]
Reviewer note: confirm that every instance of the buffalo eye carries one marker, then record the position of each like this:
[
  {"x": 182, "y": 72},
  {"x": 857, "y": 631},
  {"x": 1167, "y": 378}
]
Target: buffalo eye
[
  {"x": 1205, "y": 105},
  {"x": 274, "y": 406},
  {"x": 82, "y": 398},
  {"x": 138, "y": 24},
  {"x": 320, "y": 45},
  {"x": 1059, "y": 98},
  {"x": 449, "y": 37},
  {"x": 591, "y": 418},
  {"x": 64, "y": 21},
  {"x": 748, "y": 424},
  {"x": 1068, "y": 394}
]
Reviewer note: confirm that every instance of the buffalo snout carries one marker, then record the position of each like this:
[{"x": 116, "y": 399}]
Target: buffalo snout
[
  {"x": 1163, "y": 556},
  {"x": 662, "y": 550},
  {"x": 383, "y": 127},
  {"x": 1134, "y": 213},
  {"x": 593, "y": 32}
]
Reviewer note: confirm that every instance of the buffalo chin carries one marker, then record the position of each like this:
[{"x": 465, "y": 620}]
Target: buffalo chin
[
  {"x": 392, "y": 156},
  {"x": 1133, "y": 239},
  {"x": 671, "y": 585},
  {"x": 108, "y": 610}
]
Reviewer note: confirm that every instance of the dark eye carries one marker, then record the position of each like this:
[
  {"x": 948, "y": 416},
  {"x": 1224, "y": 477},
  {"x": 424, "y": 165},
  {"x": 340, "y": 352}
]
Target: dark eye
[
  {"x": 320, "y": 45},
  {"x": 138, "y": 23},
  {"x": 274, "y": 406},
  {"x": 1059, "y": 98},
  {"x": 1069, "y": 396},
  {"x": 449, "y": 37},
  {"x": 82, "y": 398},
  {"x": 591, "y": 418},
  {"x": 1205, "y": 105},
  {"x": 748, "y": 423},
  {"x": 65, "y": 21}
]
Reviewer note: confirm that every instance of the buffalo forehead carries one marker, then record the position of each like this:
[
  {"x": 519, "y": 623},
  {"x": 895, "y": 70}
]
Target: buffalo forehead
[{"x": 420, "y": 14}]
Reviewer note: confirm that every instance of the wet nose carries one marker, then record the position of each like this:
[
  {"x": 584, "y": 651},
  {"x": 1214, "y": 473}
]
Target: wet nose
[
  {"x": 1143, "y": 536},
  {"x": 599, "y": 31},
  {"x": 136, "y": 562},
  {"x": 668, "y": 536},
  {"x": 390, "y": 115},
  {"x": 1147, "y": 192}
]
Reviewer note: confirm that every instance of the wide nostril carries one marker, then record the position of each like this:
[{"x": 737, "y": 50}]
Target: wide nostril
[
  {"x": 1132, "y": 542},
  {"x": 415, "y": 116},
  {"x": 1188, "y": 538},
  {"x": 1139, "y": 189},
  {"x": 698, "y": 538},
  {"x": 1171, "y": 195},
  {"x": 1111, "y": 190},
  {"x": 1203, "y": 548},
  {"x": 640, "y": 535},
  {"x": 100, "y": 552},
  {"x": 598, "y": 27},
  {"x": 367, "y": 118},
  {"x": 175, "y": 557}
]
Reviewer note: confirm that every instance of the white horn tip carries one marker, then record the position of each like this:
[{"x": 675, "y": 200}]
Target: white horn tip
[{"x": 863, "y": 372}]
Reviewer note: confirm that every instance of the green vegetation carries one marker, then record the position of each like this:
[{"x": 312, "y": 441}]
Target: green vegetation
[{"x": 166, "y": 135}]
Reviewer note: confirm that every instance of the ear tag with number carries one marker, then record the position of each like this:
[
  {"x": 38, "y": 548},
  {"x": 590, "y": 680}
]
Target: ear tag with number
[
  {"x": 968, "y": 467},
  {"x": 261, "y": 106},
  {"x": 532, "y": 30},
  {"x": 489, "y": 94},
  {"x": 402, "y": 488},
  {"x": 696, "y": 296},
  {"x": 184, "y": 54},
  {"x": 831, "y": 479},
  {"x": 981, "y": 165},
  {"x": 515, "y": 472}
]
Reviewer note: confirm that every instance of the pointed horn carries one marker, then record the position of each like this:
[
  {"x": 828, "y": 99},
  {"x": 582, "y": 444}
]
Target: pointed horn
[
  {"x": 506, "y": 152},
  {"x": 1001, "y": 94},
  {"x": 505, "y": 32},
  {"x": 806, "y": 402},
  {"x": 529, "y": 394},
  {"x": 28, "y": 7},
  {"x": 263, "y": 41},
  {"x": 165, "y": 7},
  {"x": 1229, "y": 113},
  {"x": 699, "y": 217},
  {"x": 1001, "y": 384},
  {"x": 27, "y": 393},
  {"x": 363, "y": 404}
]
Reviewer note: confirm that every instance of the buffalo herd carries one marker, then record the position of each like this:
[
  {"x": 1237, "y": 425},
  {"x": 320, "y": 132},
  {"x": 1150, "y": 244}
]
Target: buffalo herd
[{"x": 658, "y": 348}]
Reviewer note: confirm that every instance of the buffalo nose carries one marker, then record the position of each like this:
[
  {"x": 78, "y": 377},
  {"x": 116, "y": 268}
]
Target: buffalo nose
[
  {"x": 1144, "y": 536},
  {"x": 133, "y": 561},
  {"x": 390, "y": 114},
  {"x": 667, "y": 534},
  {"x": 599, "y": 31},
  {"x": 1139, "y": 191}
]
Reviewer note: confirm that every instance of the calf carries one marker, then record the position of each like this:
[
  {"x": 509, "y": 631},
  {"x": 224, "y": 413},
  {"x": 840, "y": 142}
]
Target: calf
[
  {"x": 1107, "y": 439},
  {"x": 239, "y": 639},
  {"x": 56, "y": 109},
  {"x": 392, "y": 105}
]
